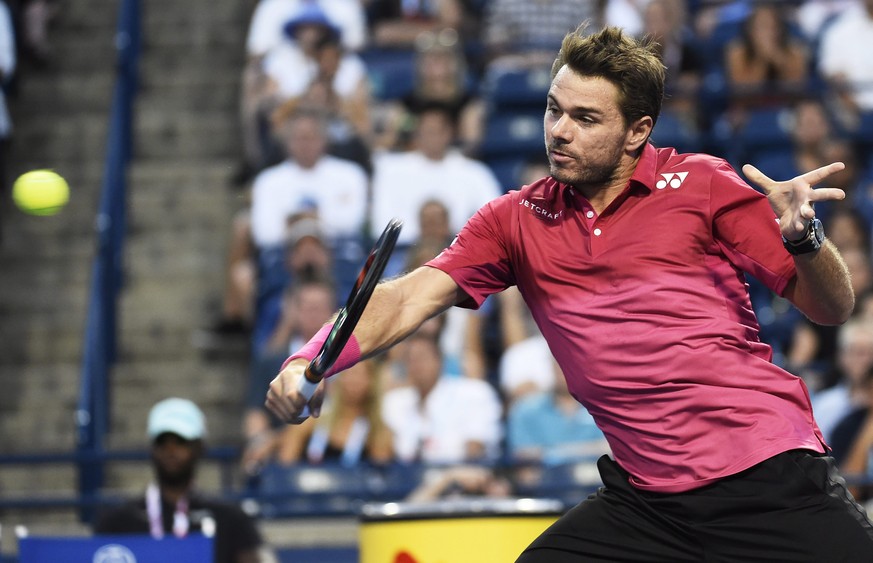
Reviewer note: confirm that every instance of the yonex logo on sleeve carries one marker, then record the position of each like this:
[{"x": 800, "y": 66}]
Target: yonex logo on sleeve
[{"x": 672, "y": 179}]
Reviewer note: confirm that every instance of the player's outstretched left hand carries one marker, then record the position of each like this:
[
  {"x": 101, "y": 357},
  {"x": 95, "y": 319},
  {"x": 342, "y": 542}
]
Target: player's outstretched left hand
[{"x": 793, "y": 200}]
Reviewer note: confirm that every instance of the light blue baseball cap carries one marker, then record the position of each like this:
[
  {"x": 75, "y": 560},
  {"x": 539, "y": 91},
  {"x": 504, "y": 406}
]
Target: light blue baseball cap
[{"x": 178, "y": 416}]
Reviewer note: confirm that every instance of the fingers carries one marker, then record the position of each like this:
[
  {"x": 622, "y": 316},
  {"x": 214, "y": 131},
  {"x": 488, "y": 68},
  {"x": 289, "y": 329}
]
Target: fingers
[
  {"x": 289, "y": 406},
  {"x": 813, "y": 177},
  {"x": 279, "y": 404},
  {"x": 827, "y": 194},
  {"x": 756, "y": 176}
]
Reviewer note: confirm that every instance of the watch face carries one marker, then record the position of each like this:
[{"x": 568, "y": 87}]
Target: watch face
[{"x": 818, "y": 230}]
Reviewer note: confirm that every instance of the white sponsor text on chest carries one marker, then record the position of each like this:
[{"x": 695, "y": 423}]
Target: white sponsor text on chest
[{"x": 540, "y": 210}]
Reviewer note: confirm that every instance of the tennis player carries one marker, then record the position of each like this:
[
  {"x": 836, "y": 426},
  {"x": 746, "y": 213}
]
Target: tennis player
[{"x": 632, "y": 260}]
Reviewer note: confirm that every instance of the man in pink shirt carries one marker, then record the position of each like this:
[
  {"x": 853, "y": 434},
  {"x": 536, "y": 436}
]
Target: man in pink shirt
[{"x": 632, "y": 260}]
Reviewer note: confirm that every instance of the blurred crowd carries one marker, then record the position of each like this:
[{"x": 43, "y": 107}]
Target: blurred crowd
[{"x": 356, "y": 111}]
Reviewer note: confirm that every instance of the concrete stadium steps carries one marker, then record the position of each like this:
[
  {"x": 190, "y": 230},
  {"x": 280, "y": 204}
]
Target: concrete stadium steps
[
  {"x": 216, "y": 386},
  {"x": 64, "y": 94},
  {"x": 185, "y": 91},
  {"x": 165, "y": 135},
  {"x": 47, "y": 392},
  {"x": 181, "y": 204},
  {"x": 66, "y": 137}
]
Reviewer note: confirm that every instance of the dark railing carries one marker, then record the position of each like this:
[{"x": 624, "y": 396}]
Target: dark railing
[
  {"x": 85, "y": 502},
  {"x": 92, "y": 413}
]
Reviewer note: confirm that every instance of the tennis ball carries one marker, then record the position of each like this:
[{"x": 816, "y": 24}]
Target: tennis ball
[{"x": 40, "y": 192}]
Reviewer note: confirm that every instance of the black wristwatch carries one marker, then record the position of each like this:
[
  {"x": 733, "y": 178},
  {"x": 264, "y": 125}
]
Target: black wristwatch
[{"x": 811, "y": 240}]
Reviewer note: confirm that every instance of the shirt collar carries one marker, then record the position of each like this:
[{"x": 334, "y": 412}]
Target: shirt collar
[{"x": 644, "y": 173}]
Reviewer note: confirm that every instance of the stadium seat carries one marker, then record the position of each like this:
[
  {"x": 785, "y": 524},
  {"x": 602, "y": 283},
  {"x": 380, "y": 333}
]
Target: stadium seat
[
  {"x": 391, "y": 72},
  {"x": 300, "y": 490},
  {"x": 765, "y": 129},
  {"x": 330, "y": 489},
  {"x": 513, "y": 134},
  {"x": 569, "y": 482},
  {"x": 674, "y": 131},
  {"x": 516, "y": 89},
  {"x": 506, "y": 170}
]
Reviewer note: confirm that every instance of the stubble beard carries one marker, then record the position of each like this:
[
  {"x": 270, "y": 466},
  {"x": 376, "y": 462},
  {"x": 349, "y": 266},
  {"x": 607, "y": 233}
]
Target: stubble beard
[{"x": 588, "y": 175}]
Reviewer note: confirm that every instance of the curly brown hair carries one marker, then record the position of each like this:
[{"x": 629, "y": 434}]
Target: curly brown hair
[{"x": 632, "y": 65}]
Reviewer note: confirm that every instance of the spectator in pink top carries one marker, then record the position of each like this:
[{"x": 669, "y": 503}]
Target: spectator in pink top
[{"x": 632, "y": 260}]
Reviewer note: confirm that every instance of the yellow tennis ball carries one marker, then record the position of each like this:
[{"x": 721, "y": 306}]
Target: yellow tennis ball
[{"x": 40, "y": 192}]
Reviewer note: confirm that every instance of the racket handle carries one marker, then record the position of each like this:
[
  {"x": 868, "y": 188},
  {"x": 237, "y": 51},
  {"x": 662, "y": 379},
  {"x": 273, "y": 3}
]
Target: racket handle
[{"x": 306, "y": 387}]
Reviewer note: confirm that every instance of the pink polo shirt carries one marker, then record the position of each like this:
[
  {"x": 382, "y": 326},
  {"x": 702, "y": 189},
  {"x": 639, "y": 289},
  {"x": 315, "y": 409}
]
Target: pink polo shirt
[{"x": 646, "y": 310}]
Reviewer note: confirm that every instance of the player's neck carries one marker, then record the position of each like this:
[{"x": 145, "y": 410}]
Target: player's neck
[{"x": 601, "y": 195}]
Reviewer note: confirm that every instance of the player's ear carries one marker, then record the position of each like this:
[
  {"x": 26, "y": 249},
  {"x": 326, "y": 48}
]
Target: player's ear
[{"x": 638, "y": 132}]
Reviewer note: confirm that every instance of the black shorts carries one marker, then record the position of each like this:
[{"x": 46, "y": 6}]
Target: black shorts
[{"x": 792, "y": 507}]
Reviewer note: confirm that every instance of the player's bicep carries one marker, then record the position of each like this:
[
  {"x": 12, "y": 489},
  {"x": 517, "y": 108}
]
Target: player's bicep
[{"x": 429, "y": 290}]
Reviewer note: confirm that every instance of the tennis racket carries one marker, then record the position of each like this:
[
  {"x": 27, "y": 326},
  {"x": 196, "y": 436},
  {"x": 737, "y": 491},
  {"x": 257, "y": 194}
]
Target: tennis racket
[{"x": 350, "y": 314}]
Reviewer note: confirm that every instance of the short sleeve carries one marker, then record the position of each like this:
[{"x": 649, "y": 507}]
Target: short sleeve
[
  {"x": 478, "y": 259},
  {"x": 745, "y": 227}
]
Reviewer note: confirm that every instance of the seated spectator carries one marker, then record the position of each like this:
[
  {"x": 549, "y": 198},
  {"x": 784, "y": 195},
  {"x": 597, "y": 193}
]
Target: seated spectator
[
  {"x": 433, "y": 170},
  {"x": 525, "y": 364},
  {"x": 32, "y": 21},
  {"x": 848, "y": 229},
  {"x": 854, "y": 358},
  {"x": 310, "y": 52},
  {"x": 666, "y": 22},
  {"x": 519, "y": 34},
  {"x": 8, "y": 61},
  {"x": 266, "y": 27},
  {"x": 309, "y": 181},
  {"x": 439, "y": 419},
  {"x": 350, "y": 429},
  {"x": 171, "y": 505},
  {"x": 314, "y": 52},
  {"x": 852, "y": 439},
  {"x": 396, "y": 24},
  {"x": 308, "y": 304},
  {"x": 344, "y": 100},
  {"x": 459, "y": 336},
  {"x": 552, "y": 427},
  {"x": 766, "y": 64},
  {"x": 845, "y": 65},
  {"x": 441, "y": 78},
  {"x": 462, "y": 481},
  {"x": 814, "y": 143},
  {"x": 814, "y": 15},
  {"x": 813, "y": 348},
  {"x": 240, "y": 282}
]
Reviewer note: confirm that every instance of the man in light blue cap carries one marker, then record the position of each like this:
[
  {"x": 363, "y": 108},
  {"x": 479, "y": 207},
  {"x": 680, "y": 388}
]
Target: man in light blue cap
[{"x": 176, "y": 428}]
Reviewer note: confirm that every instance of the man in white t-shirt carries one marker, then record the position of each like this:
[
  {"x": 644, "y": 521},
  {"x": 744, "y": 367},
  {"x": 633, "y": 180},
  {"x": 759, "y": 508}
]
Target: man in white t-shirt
[
  {"x": 437, "y": 418},
  {"x": 844, "y": 55},
  {"x": 433, "y": 170},
  {"x": 308, "y": 182}
]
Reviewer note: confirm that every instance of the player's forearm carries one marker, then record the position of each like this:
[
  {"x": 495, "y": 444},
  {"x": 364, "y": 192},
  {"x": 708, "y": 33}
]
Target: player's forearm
[
  {"x": 822, "y": 289},
  {"x": 398, "y": 307}
]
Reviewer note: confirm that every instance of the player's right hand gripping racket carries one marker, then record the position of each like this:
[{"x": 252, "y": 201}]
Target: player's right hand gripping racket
[{"x": 348, "y": 316}]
